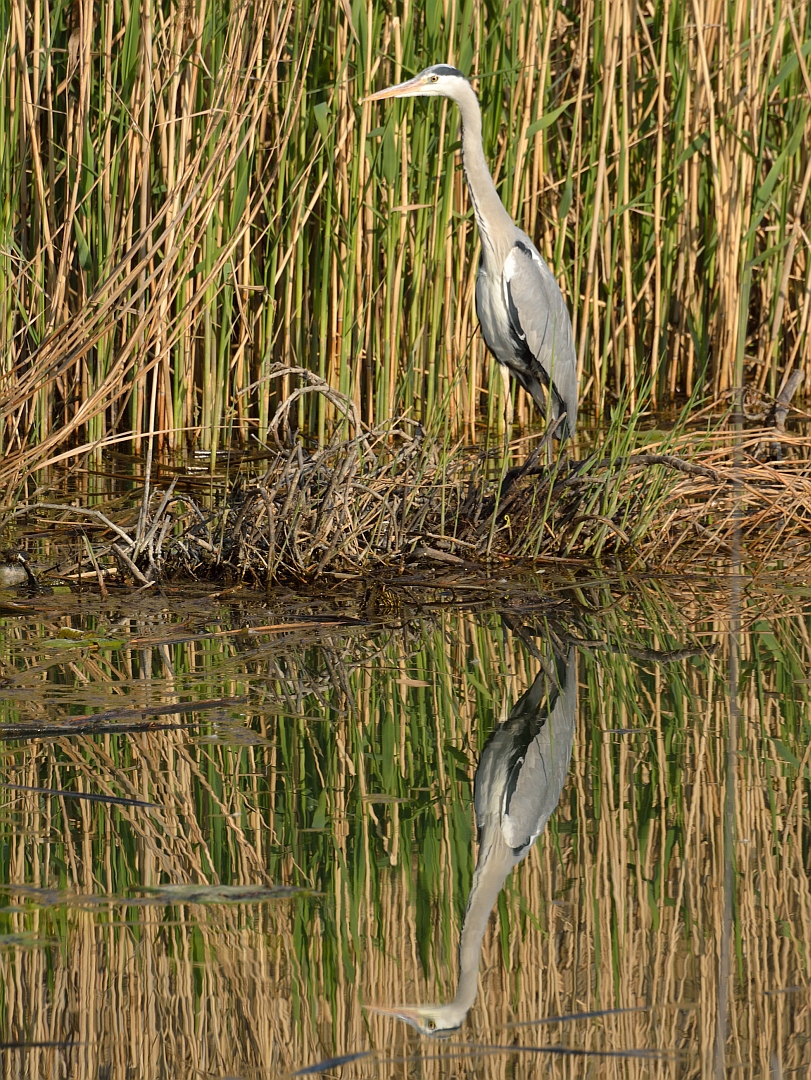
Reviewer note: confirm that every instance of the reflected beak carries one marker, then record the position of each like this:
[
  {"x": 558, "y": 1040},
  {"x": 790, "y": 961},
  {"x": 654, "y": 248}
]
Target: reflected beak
[
  {"x": 420, "y": 1018},
  {"x": 410, "y": 1015},
  {"x": 404, "y": 89}
]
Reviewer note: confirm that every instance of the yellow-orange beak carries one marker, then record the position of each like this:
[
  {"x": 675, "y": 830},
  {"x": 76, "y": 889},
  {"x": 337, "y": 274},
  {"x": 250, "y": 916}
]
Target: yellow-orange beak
[
  {"x": 411, "y": 88},
  {"x": 403, "y": 1013}
]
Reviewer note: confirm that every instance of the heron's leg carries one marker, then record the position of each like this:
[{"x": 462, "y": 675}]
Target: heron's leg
[
  {"x": 508, "y": 402},
  {"x": 550, "y": 453}
]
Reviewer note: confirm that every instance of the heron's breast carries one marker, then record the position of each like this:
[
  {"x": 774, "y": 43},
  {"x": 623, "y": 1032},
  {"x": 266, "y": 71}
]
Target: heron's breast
[{"x": 493, "y": 315}]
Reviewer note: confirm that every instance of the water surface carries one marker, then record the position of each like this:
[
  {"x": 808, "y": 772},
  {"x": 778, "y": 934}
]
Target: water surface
[{"x": 285, "y": 838}]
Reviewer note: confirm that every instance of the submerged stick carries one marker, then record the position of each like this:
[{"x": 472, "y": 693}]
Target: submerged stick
[{"x": 779, "y": 411}]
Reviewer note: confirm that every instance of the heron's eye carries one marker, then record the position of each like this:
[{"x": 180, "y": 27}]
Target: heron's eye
[
  {"x": 431, "y": 1025},
  {"x": 434, "y": 78}
]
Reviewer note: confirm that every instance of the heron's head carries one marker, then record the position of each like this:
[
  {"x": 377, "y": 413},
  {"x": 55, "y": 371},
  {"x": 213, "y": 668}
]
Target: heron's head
[
  {"x": 436, "y": 1021},
  {"x": 441, "y": 80}
]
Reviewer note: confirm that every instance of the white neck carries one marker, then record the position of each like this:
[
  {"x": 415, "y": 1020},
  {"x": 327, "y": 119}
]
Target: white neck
[
  {"x": 493, "y": 220},
  {"x": 495, "y": 862}
]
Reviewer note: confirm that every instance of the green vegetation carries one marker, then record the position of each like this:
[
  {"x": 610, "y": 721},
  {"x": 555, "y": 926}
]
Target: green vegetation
[{"x": 193, "y": 194}]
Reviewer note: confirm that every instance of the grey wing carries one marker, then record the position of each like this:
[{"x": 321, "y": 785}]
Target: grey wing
[
  {"x": 533, "y": 791},
  {"x": 541, "y": 325}
]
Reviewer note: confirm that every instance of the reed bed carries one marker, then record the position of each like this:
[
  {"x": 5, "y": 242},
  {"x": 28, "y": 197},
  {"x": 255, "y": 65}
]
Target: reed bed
[
  {"x": 194, "y": 195},
  {"x": 349, "y": 772},
  {"x": 396, "y": 498}
]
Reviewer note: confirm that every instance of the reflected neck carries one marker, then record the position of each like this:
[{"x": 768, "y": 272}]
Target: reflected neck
[{"x": 495, "y": 862}]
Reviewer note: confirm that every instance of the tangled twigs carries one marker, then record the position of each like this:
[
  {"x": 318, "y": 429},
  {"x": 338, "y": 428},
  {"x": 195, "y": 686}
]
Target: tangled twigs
[
  {"x": 315, "y": 385},
  {"x": 391, "y": 496}
]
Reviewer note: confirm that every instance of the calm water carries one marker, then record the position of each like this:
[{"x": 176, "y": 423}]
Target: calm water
[{"x": 255, "y": 847}]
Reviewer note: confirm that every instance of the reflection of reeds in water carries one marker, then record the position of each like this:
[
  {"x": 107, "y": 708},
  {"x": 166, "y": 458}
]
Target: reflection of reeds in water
[{"x": 617, "y": 907}]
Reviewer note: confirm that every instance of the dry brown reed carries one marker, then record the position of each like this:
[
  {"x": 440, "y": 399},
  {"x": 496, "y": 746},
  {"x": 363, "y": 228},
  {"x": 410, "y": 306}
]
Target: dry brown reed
[{"x": 195, "y": 195}]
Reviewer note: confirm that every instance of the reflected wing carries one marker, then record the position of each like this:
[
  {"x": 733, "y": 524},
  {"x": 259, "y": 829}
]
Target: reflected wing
[
  {"x": 542, "y": 331},
  {"x": 524, "y": 763},
  {"x": 534, "y": 791}
]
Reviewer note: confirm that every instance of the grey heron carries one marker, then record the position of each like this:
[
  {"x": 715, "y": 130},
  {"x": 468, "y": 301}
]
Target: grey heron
[
  {"x": 524, "y": 319},
  {"x": 518, "y": 783}
]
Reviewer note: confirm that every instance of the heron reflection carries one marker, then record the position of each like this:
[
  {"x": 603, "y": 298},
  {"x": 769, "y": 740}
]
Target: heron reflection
[{"x": 518, "y": 783}]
